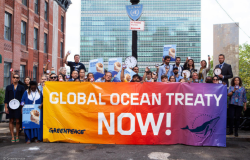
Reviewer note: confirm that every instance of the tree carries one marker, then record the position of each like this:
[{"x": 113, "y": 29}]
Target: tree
[
  {"x": 211, "y": 71},
  {"x": 244, "y": 64}
]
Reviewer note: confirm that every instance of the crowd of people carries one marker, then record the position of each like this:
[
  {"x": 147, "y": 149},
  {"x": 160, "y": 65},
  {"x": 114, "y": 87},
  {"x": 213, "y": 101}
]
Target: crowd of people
[{"x": 30, "y": 92}]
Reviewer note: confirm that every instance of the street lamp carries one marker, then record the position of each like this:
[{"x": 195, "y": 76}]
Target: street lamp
[
  {"x": 134, "y": 1},
  {"x": 134, "y": 34}
]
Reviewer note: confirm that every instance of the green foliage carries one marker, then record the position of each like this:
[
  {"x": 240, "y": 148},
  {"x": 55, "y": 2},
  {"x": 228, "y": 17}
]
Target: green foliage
[
  {"x": 244, "y": 64},
  {"x": 244, "y": 67},
  {"x": 2, "y": 96},
  {"x": 211, "y": 72}
]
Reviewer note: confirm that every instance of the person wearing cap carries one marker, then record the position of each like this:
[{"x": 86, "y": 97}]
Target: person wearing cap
[
  {"x": 177, "y": 64},
  {"x": 74, "y": 66},
  {"x": 176, "y": 74},
  {"x": 226, "y": 69},
  {"x": 166, "y": 69},
  {"x": 74, "y": 76},
  {"x": 34, "y": 96},
  {"x": 14, "y": 93},
  {"x": 189, "y": 65},
  {"x": 147, "y": 77}
]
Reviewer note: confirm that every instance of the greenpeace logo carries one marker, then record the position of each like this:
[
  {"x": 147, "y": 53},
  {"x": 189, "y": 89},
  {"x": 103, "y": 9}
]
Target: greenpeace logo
[{"x": 66, "y": 131}]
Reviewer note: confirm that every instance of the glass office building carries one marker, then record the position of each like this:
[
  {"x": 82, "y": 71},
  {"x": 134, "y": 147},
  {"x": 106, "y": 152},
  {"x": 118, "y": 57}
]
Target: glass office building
[{"x": 105, "y": 30}]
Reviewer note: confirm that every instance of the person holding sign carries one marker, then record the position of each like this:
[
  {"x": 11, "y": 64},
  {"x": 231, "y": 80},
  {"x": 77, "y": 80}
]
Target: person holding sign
[
  {"x": 238, "y": 99},
  {"x": 13, "y": 96},
  {"x": 226, "y": 69},
  {"x": 33, "y": 96},
  {"x": 74, "y": 66}
]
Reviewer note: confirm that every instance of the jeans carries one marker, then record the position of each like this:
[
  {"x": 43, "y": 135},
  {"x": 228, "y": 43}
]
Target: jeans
[{"x": 234, "y": 111}]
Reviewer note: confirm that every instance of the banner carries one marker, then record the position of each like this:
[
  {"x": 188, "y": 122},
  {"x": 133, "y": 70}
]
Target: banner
[
  {"x": 31, "y": 116},
  {"x": 135, "y": 113},
  {"x": 115, "y": 67},
  {"x": 97, "y": 68},
  {"x": 170, "y": 50}
]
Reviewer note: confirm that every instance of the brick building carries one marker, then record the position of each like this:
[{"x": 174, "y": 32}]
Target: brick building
[{"x": 31, "y": 32}]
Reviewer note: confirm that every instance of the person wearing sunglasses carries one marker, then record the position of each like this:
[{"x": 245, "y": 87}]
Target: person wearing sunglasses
[
  {"x": 215, "y": 80},
  {"x": 13, "y": 96},
  {"x": 52, "y": 77}
]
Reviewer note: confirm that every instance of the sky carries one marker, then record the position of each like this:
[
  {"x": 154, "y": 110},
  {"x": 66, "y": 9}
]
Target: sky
[{"x": 211, "y": 13}]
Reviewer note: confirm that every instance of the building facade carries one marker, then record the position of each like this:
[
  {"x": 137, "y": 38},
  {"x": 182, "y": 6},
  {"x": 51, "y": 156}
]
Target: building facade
[
  {"x": 31, "y": 33},
  {"x": 105, "y": 30}
]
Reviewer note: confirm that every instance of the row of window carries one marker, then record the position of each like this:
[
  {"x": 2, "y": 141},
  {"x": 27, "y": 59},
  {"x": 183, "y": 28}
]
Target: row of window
[
  {"x": 7, "y": 74},
  {"x": 7, "y": 32},
  {"x": 24, "y": 2}
]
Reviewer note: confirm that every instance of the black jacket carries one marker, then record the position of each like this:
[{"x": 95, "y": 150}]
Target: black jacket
[
  {"x": 9, "y": 94},
  {"x": 226, "y": 71}
]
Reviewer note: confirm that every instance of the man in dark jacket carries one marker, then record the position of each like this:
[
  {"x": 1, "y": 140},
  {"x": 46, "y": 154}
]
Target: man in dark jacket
[{"x": 226, "y": 69}]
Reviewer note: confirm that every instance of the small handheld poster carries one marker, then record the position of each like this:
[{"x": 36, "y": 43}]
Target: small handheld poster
[{"x": 31, "y": 116}]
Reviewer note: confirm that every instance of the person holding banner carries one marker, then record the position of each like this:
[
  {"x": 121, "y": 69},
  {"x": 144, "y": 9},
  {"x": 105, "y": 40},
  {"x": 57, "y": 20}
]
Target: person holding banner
[
  {"x": 90, "y": 77},
  {"x": 215, "y": 80},
  {"x": 238, "y": 99},
  {"x": 204, "y": 70},
  {"x": 166, "y": 69},
  {"x": 164, "y": 78},
  {"x": 176, "y": 74},
  {"x": 13, "y": 96},
  {"x": 34, "y": 96},
  {"x": 172, "y": 79},
  {"x": 107, "y": 77},
  {"x": 52, "y": 77},
  {"x": 226, "y": 69},
  {"x": 147, "y": 77},
  {"x": 74, "y": 76},
  {"x": 82, "y": 75}
]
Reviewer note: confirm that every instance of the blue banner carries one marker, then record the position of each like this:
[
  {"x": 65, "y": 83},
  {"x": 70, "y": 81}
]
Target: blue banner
[
  {"x": 134, "y": 11},
  {"x": 31, "y": 116},
  {"x": 170, "y": 50},
  {"x": 96, "y": 67}
]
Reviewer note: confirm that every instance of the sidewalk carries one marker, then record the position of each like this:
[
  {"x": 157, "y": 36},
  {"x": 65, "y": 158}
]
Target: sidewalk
[{"x": 243, "y": 135}]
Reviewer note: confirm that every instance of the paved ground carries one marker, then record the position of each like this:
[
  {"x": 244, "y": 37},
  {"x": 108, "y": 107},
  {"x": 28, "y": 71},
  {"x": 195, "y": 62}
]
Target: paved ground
[{"x": 237, "y": 148}]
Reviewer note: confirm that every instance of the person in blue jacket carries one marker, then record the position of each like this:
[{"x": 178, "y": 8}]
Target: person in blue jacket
[{"x": 34, "y": 96}]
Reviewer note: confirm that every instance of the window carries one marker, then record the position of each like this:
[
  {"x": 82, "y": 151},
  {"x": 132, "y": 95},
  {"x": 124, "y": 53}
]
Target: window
[
  {"x": 23, "y": 33},
  {"x": 6, "y": 75},
  {"x": 62, "y": 23},
  {"x": 61, "y": 50},
  {"x": 35, "y": 38},
  {"x": 34, "y": 73},
  {"x": 46, "y": 11},
  {"x": 24, "y": 2},
  {"x": 7, "y": 26},
  {"x": 36, "y": 6},
  {"x": 22, "y": 73},
  {"x": 45, "y": 43}
]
